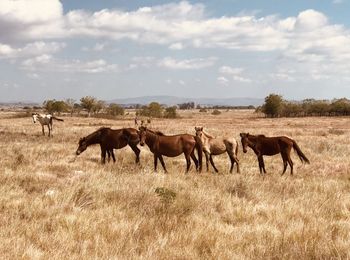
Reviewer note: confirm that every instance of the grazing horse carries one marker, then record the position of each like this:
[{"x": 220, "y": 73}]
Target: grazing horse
[
  {"x": 263, "y": 145},
  {"x": 110, "y": 139},
  {"x": 45, "y": 120},
  {"x": 217, "y": 146},
  {"x": 172, "y": 146}
]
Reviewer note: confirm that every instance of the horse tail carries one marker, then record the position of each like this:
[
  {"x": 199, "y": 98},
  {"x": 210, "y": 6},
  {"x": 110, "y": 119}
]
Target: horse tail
[
  {"x": 56, "y": 118},
  {"x": 301, "y": 155},
  {"x": 199, "y": 147}
]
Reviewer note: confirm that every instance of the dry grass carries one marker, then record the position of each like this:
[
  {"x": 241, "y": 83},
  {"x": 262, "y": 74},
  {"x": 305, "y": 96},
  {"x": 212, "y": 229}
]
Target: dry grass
[{"x": 54, "y": 207}]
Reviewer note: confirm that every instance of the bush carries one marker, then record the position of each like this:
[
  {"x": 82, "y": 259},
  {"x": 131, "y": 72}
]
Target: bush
[
  {"x": 170, "y": 112},
  {"x": 203, "y": 110},
  {"x": 216, "y": 112},
  {"x": 273, "y": 105},
  {"x": 154, "y": 109},
  {"x": 115, "y": 110}
]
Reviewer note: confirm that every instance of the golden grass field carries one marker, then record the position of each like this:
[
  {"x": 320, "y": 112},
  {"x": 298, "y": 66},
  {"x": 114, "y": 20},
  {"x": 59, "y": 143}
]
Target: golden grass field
[{"x": 52, "y": 206}]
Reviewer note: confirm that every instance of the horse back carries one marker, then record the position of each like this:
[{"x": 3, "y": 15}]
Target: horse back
[
  {"x": 273, "y": 145},
  {"x": 174, "y": 145}
]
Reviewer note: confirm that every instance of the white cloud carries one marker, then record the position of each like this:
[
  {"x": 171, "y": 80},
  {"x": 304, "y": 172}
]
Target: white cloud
[
  {"x": 33, "y": 76},
  {"x": 176, "y": 46},
  {"x": 25, "y": 20},
  {"x": 306, "y": 40},
  {"x": 338, "y": 1},
  {"x": 222, "y": 80},
  {"x": 234, "y": 73},
  {"x": 230, "y": 70},
  {"x": 188, "y": 64},
  {"x": 48, "y": 63},
  {"x": 30, "y": 49}
]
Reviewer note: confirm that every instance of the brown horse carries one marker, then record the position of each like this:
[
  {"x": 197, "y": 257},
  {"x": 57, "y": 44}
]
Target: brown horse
[
  {"x": 216, "y": 146},
  {"x": 110, "y": 139},
  {"x": 172, "y": 146},
  {"x": 263, "y": 145}
]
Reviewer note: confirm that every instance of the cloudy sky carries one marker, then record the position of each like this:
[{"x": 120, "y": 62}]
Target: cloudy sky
[{"x": 224, "y": 48}]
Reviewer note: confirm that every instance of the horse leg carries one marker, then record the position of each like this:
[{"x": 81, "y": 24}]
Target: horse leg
[
  {"x": 194, "y": 160},
  {"x": 103, "y": 155},
  {"x": 109, "y": 156},
  {"x": 285, "y": 164},
  {"x": 48, "y": 126},
  {"x": 113, "y": 157},
  {"x": 290, "y": 164},
  {"x": 155, "y": 162},
  {"x": 212, "y": 163},
  {"x": 233, "y": 160},
  {"x": 260, "y": 160},
  {"x": 263, "y": 164},
  {"x": 137, "y": 152},
  {"x": 162, "y": 162},
  {"x": 42, "y": 129},
  {"x": 188, "y": 162},
  {"x": 207, "y": 160}
]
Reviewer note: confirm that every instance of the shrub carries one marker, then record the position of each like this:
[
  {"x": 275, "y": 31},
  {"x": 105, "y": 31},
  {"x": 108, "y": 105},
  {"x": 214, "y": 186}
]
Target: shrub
[
  {"x": 170, "y": 112},
  {"x": 216, "y": 112}
]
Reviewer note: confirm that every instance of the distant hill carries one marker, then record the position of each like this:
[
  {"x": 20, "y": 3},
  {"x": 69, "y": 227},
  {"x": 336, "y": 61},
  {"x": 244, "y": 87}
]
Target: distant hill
[{"x": 171, "y": 100}]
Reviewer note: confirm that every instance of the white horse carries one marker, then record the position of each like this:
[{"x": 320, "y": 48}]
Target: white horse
[
  {"x": 45, "y": 119},
  {"x": 217, "y": 146}
]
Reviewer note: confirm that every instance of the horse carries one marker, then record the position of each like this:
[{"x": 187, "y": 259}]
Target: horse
[
  {"x": 263, "y": 145},
  {"x": 110, "y": 139},
  {"x": 172, "y": 146},
  {"x": 45, "y": 119},
  {"x": 216, "y": 146}
]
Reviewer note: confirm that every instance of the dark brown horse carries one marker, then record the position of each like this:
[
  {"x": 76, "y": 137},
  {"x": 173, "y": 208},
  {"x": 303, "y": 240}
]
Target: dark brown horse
[
  {"x": 172, "y": 146},
  {"x": 110, "y": 139},
  {"x": 263, "y": 145}
]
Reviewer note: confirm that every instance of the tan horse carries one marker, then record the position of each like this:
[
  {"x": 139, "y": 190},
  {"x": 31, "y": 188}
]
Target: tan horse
[
  {"x": 216, "y": 146},
  {"x": 172, "y": 146}
]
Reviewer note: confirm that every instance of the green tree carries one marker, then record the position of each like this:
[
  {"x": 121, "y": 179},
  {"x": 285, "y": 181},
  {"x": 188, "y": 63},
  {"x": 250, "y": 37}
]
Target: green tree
[
  {"x": 88, "y": 103},
  {"x": 98, "y": 106},
  {"x": 70, "y": 105},
  {"x": 54, "y": 106},
  {"x": 273, "y": 105},
  {"x": 115, "y": 110},
  {"x": 154, "y": 109},
  {"x": 170, "y": 112}
]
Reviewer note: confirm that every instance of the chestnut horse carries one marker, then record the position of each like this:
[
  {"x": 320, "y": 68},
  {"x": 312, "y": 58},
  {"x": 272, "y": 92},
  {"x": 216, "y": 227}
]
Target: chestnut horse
[
  {"x": 216, "y": 146},
  {"x": 110, "y": 139},
  {"x": 263, "y": 145},
  {"x": 172, "y": 146}
]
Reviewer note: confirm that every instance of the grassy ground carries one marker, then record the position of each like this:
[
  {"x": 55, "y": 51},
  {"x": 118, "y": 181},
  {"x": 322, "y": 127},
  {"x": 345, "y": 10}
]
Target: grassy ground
[{"x": 52, "y": 206}]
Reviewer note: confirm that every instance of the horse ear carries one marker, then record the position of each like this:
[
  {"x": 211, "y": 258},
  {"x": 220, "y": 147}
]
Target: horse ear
[
  {"x": 241, "y": 134},
  {"x": 201, "y": 128}
]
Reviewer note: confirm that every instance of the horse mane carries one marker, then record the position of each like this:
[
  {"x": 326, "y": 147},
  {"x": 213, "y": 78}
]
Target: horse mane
[
  {"x": 207, "y": 135},
  {"x": 98, "y": 131},
  {"x": 156, "y": 132}
]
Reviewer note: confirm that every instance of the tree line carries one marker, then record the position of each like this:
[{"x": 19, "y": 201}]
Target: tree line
[
  {"x": 89, "y": 104},
  {"x": 276, "y": 106}
]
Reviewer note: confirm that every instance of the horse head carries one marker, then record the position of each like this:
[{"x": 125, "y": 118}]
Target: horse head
[
  {"x": 34, "y": 117},
  {"x": 142, "y": 134},
  {"x": 245, "y": 141},
  {"x": 82, "y": 146},
  {"x": 199, "y": 131}
]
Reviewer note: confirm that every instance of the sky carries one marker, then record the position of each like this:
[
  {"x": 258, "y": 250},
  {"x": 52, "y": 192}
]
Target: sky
[{"x": 51, "y": 49}]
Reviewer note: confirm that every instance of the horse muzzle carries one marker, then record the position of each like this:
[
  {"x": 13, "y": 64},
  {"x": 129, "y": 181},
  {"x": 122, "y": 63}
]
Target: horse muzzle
[
  {"x": 77, "y": 152},
  {"x": 245, "y": 150},
  {"x": 142, "y": 144}
]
